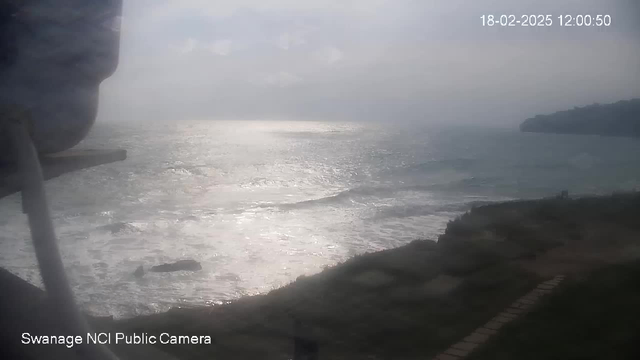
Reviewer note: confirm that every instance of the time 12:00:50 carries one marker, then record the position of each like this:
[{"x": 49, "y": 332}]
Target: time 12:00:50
[{"x": 546, "y": 20}]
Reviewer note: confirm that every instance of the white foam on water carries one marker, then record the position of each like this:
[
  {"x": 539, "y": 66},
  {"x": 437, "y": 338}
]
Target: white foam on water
[{"x": 260, "y": 203}]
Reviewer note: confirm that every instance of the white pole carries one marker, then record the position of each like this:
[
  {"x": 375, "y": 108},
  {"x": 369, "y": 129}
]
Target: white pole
[{"x": 34, "y": 204}]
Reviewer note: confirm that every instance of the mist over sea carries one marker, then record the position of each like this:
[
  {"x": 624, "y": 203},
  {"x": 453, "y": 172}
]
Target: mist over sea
[{"x": 260, "y": 203}]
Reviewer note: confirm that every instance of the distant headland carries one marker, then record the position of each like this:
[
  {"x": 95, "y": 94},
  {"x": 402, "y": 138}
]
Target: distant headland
[{"x": 618, "y": 119}]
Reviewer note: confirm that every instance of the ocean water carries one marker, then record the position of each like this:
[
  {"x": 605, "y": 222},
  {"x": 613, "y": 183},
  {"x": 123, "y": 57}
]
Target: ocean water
[{"x": 261, "y": 203}]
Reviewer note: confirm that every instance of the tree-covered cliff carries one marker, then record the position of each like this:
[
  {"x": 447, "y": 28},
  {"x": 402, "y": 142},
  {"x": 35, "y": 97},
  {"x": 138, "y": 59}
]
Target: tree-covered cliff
[{"x": 618, "y": 119}]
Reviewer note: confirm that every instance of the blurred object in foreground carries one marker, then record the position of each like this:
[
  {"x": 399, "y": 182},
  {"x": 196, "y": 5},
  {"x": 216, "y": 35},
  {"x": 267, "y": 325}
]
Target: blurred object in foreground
[{"x": 53, "y": 56}]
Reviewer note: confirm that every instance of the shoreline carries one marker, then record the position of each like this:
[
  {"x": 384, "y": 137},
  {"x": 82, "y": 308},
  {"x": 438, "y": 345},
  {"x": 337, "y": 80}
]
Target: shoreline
[{"x": 420, "y": 297}]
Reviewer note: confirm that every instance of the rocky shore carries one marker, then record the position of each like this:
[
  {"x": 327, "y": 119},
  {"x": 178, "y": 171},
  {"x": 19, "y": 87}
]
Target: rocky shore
[{"x": 415, "y": 300}]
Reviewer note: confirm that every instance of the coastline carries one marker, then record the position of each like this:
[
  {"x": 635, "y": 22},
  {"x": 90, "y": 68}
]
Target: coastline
[
  {"x": 417, "y": 299},
  {"x": 615, "y": 119}
]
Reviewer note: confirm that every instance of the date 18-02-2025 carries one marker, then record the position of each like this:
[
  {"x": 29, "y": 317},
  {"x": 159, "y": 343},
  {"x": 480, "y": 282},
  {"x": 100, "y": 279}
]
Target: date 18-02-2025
[{"x": 510, "y": 20}]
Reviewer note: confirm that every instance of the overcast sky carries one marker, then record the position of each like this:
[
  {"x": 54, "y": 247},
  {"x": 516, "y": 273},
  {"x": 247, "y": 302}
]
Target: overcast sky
[{"x": 367, "y": 60}]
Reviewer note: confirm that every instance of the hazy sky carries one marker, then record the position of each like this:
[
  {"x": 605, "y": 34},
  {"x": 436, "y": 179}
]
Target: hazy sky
[{"x": 381, "y": 60}]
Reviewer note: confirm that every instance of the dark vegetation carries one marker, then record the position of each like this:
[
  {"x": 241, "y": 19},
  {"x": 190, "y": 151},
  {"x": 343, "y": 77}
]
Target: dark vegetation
[
  {"x": 413, "y": 301},
  {"x": 595, "y": 317},
  {"x": 618, "y": 119}
]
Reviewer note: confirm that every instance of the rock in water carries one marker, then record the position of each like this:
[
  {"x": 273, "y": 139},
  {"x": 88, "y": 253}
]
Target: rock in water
[
  {"x": 187, "y": 265},
  {"x": 117, "y": 227},
  {"x": 139, "y": 271}
]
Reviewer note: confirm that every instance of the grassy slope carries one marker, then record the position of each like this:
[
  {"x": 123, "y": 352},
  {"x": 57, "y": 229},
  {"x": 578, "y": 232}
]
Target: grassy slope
[
  {"x": 400, "y": 316},
  {"x": 593, "y": 318}
]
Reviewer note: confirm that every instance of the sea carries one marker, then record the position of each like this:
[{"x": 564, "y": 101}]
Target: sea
[{"x": 259, "y": 203}]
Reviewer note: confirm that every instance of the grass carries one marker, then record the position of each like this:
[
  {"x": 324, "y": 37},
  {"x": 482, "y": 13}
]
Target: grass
[
  {"x": 350, "y": 320},
  {"x": 597, "y": 317},
  {"x": 527, "y": 229}
]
